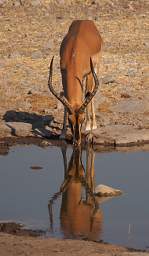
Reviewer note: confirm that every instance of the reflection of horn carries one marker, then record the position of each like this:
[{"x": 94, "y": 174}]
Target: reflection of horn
[
  {"x": 90, "y": 172},
  {"x": 50, "y": 204}
]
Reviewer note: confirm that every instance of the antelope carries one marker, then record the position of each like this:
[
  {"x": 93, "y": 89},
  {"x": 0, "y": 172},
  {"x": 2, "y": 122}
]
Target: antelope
[
  {"x": 80, "y": 215},
  {"x": 79, "y": 57}
]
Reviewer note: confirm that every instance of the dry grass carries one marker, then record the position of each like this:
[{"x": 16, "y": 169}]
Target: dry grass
[{"x": 31, "y": 33}]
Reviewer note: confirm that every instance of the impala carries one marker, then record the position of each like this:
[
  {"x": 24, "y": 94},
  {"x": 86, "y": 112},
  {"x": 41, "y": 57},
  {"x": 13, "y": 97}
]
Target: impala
[{"x": 79, "y": 56}]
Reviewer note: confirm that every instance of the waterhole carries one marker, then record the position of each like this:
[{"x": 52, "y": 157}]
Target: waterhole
[{"x": 52, "y": 190}]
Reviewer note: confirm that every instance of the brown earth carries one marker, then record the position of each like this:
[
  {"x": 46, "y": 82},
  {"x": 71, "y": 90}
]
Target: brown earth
[
  {"x": 30, "y": 246},
  {"x": 31, "y": 32},
  {"x": 24, "y": 242}
]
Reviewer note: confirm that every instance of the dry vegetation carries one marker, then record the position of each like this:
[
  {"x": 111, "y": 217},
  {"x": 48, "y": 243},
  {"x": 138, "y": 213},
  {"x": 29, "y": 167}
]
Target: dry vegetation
[{"x": 31, "y": 32}]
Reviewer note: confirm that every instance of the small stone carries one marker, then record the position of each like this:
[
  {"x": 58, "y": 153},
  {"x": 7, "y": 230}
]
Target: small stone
[
  {"x": 29, "y": 92},
  {"x": 5, "y": 131},
  {"x": 59, "y": 17},
  {"x": 61, "y": 1},
  {"x": 103, "y": 190},
  {"x": 20, "y": 129},
  {"x": 2, "y": 64},
  {"x": 2, "y": 2},
  {"x": 132, "y": 72},
  {"x": 37, "y": 55},
  {"x": 36, "y": 167},
  {"x": 108, "y": 79},
  {"x": 48, "y": 45},
  {"x": 35, "y": 2},
  {"x": 125, "y": 95},
  {"x": 15, "y": 54},
  {"x": 130, "y": 106},
  {"x": 18, "y": 3}
]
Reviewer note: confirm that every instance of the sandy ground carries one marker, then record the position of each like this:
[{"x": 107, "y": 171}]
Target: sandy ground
[
  {"x": 31, "y": 32},
  {"x": 27, "y": 246}
]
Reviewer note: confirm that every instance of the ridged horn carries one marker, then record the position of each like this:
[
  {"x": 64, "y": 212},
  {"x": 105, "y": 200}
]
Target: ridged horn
[
  {"x": 60, "y": 96},
  {"x": 90, "y": 95}
]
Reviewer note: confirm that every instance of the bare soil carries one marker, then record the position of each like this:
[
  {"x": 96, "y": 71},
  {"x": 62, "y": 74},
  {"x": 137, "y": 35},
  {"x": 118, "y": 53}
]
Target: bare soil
[
  {"x": 31, "y": 32},
  {"x": 26, "y": 246}
]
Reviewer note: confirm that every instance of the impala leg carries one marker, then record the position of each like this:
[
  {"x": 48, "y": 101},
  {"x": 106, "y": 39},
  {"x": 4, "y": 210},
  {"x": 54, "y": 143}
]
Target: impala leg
[
  {"x": 89, "y": 106},
  {"x": 64, "y": 129},
  {"x": 96, "y": 62},
  {"x": 90, "y": 117},
  {"x": 94, "y": 124},
  {"x": 89, "y": 124},
  {"x": 90, "y": 84}
]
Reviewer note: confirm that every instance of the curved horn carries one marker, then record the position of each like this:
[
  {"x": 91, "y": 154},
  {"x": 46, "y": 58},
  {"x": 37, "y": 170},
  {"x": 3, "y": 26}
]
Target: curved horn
[
  {"x": 60, "y": 96},
  {"x": 90, "y": 95}
]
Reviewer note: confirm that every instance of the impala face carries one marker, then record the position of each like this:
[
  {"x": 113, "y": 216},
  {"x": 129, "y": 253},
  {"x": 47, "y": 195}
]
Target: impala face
[{"x": 75, "y": 121}]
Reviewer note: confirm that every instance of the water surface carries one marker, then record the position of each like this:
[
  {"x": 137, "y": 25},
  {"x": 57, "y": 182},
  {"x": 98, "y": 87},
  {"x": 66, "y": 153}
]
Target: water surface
[{"x": 25, "y": 194}]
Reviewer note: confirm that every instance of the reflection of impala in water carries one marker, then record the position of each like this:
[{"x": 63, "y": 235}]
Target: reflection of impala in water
[{"x": 80, "y": 215}]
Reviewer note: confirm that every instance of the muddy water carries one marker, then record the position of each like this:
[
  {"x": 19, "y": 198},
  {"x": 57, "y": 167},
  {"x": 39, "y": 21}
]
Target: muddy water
[{"x": 38, "y": 191}]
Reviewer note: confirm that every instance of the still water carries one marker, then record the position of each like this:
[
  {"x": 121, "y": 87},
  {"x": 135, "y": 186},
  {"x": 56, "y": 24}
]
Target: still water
[{"x": 38, "y": 191}]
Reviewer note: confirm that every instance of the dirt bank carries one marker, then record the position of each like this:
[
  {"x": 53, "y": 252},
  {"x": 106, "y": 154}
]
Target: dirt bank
[
  {"x": 31, "y": 33},
  {"x": 26, "y": 246}
]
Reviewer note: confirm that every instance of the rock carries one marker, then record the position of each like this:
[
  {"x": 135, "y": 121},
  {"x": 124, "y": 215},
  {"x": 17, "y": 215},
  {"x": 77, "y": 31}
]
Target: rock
[
  {"x": 36, "y": 167},
  {"x": 18, "y": 3},
  {"x": 2, "y": 2},
  {"x": 132, "y": 137},
  {"x": 35, "y": 2},
  {"x": 19, "y": 129},
  {"x": 108, "y": 79},
  {"x": 61, "y": 2},
  {"x": 2, "y": 64},
  {"x": 15, "y": 54},
  {"x": 48, "y": 45},
  {"x": 60, "y": 106},
  {"x": 5, "y": 131},
  {"x": 103, "y": 190},
  {"x": 132, "y": 72},
  {"x": 29, "y": 92},
  {"x": 120, "y": 136},
  {"x": 131, "y": 105},
  {"x": 37, "y": 55},
  {"x": 125, "y": 95}
]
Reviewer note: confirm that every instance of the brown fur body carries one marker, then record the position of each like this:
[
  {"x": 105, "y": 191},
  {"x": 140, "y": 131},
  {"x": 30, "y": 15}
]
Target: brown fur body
[{"x": 79, "y": 57}]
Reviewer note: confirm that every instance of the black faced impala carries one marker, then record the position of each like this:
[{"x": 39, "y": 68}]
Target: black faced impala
[{"x": 79, "y": 55}]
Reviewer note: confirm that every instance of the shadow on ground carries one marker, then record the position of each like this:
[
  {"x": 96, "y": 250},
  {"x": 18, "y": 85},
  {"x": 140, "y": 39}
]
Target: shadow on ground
[{"x": 44, "y": 126}]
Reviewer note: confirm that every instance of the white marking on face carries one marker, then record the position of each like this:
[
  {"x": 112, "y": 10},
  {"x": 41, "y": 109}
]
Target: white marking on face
[{"x": 74, "y": 54}]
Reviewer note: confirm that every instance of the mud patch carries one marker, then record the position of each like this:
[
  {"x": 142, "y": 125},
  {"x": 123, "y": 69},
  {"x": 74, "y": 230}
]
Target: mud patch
[{"x": 18, "y": 229}]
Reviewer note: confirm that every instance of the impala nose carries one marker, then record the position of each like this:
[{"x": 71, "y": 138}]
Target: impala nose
[
  {"x": 77, "y": 143},
  {"x": 77, "y": 136}
]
